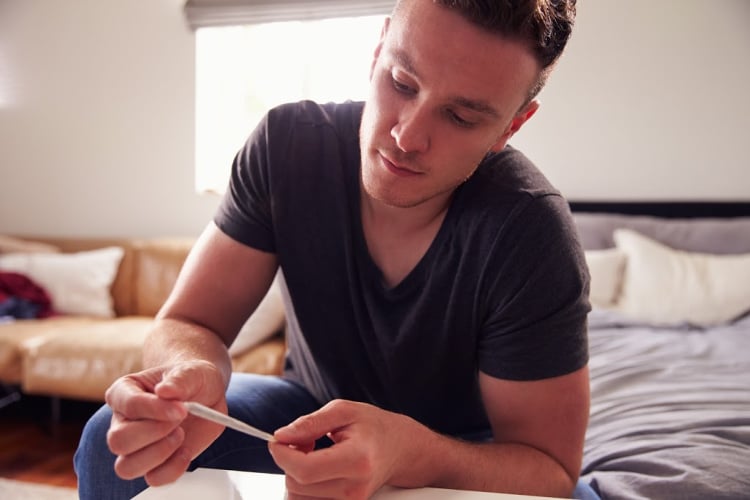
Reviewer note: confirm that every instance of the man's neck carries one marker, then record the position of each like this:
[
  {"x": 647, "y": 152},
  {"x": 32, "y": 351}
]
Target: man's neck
[
  {"x": 398, "y": 237},
  {"x": 403, "y": 220}
]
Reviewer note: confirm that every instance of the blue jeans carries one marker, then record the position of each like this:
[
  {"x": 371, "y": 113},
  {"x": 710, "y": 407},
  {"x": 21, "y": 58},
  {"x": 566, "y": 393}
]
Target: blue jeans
[{"x": 265, "y": 402}]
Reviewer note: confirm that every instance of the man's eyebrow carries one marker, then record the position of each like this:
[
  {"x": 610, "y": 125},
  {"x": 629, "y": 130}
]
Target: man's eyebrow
[
  {"x": 478, "y": 106},
  {"x": 403, "y": 59}
]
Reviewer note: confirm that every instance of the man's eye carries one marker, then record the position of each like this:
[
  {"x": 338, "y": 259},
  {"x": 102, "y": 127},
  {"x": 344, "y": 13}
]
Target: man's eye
[
  {"x": 455, "y": 118},
  {"x": 402, "y": 87}
]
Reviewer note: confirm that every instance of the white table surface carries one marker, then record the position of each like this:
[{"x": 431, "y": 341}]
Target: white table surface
[{"x": 212, "y": 484}]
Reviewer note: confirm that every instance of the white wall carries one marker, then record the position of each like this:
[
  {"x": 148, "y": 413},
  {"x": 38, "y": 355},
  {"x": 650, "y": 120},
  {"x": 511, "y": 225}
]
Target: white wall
[
  {"x": 97, "y": 126},
  {"x": 651, "y": 101},
  {"x": 97, "y": 113}
]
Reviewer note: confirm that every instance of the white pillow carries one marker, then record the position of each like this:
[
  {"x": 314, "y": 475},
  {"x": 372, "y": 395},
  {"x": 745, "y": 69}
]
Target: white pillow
[
  {"x": 667, "y": 286},
  {"x": 606, "y": 268},
  {"x": 77, "y": 283},
  {"x": 267, "y": 320}
]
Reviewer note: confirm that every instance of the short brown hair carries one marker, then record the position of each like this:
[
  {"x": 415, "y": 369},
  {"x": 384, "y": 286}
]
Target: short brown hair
[{"x": 543, "y": 25}]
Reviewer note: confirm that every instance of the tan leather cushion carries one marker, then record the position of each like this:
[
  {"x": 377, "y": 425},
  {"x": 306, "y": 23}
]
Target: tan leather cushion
[
  {"x": 147, "y": 272},
  {"x": 80, "y": 357},
  {"x": 157, "y": 266},
  {"x": 266, "y": 358},
  {"x": 15, "y": 335},
  {"x": 122, "y": 290},
  {"x": 81, "y": 361},
  {"x": 9, "y": 244}
]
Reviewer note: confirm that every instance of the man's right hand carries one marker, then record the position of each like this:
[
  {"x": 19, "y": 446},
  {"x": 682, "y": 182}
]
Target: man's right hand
[
  {"x": 221, "y": 282},
  {"x": 151, "y": 432}
]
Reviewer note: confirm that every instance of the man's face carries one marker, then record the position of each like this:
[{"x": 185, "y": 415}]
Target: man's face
[{"x": 443, "y": 94}]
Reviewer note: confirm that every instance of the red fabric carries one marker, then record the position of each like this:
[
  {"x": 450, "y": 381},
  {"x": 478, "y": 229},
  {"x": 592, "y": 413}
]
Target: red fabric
[{"x": 21, "y": 286}]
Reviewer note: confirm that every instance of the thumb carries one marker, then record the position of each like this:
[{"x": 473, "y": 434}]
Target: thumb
[
  {"x": 309, "y": 428},
  {"x": 181, "y": 382}
]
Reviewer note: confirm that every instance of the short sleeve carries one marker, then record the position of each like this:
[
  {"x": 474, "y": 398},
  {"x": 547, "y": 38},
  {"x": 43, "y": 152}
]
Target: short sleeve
[
  {"x": 537, "y": 299},
  {"x": 245, "y": 212}
]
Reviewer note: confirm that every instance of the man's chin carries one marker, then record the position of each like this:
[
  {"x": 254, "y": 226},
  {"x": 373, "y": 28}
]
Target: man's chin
[
  {"x": 383, "y": 197},
  {"x": 393, "y": 200}
]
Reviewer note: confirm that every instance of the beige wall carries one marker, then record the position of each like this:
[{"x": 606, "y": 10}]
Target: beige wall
[
  {"x": 96, "y": 112},
  {"x": 651, "y": 101},
  {"x": 96, "y": 133}
]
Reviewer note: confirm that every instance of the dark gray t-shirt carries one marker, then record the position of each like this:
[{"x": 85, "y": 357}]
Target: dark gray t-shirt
[{"x": 502, "y": 289}]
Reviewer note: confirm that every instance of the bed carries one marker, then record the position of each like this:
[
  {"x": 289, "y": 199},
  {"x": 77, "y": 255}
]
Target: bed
[{"x": 669, "y": 340}]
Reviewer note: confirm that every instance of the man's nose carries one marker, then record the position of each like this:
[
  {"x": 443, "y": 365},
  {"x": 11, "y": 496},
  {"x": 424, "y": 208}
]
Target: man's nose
[{"x": 411, "y": 131}]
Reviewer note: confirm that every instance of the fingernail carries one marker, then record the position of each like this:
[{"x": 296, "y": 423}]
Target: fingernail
[
  {"x": 163, "y": 384},
  {"x": 174, "y": 413},
  {"x": 174, "y": 437}
]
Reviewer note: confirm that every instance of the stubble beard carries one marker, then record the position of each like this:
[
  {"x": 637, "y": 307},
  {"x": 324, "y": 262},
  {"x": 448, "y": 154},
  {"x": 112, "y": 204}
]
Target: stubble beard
[
  {"x": 389, "y": 196},
  {"x": 368, "y": 178}
]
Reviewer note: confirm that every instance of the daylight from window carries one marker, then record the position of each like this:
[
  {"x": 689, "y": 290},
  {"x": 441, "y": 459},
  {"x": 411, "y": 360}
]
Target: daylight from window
[{"x": 243, "y": 71}]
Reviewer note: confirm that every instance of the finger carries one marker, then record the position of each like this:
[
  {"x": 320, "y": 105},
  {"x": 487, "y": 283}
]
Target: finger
[
  {"x": 336, "y": 462},
  {"x": 317, "y": 424},
  {"x": 128, "y": 398},
  {"x": 190, "y": 381},
  {"x": 144, "y": 460},
  {"x": 295, "y": 496},
  {"x": 169, "y": 471},
  {"x": 327, "y": 489},
  {"x": 127, "y": 436}
]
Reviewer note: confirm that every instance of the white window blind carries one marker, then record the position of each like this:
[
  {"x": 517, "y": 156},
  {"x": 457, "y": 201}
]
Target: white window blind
[
  {"x": 242, "y": 70},
  {"x": 204, "y": 13}
]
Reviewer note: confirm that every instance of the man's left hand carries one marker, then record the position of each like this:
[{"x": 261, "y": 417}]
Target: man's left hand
[{"x": 370, "y": 447}]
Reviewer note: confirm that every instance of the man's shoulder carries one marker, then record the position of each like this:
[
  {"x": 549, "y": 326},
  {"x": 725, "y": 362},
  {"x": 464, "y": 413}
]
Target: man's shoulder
[
  {"x": 510, "y": 171},
  {"x": 346, "y": 114},
  {"x": 507, "y": 188}
]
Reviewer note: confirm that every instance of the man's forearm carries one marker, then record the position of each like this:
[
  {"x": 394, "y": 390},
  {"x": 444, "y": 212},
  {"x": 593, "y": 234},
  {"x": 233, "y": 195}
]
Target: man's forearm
[
  {"x": 446, "y": 462},
  {"x": 172, "y": 341}
]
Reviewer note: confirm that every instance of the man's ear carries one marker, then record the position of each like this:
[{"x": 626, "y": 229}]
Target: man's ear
[
  {"x": 515, "y": 124},
  {"x": 379, "y": 47}
]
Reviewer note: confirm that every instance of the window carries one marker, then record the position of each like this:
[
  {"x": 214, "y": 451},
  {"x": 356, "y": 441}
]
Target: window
[{"x": 243, "y": 71}]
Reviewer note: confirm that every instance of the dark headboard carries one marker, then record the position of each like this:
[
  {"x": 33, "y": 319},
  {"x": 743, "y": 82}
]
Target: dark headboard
[{"x": 671, "y": 209}]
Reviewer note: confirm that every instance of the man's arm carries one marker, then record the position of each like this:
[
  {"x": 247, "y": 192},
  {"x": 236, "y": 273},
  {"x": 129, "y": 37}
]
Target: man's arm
[
  {"x": 538, "y": 428},
  {"x": 185, "y": 358},
  {"x": 221, "y": 282},
  {"x": 538, "y": 432}
]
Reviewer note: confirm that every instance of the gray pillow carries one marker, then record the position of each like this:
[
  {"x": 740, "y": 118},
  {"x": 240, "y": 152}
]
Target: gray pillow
[{"x": 706, "y": 235}]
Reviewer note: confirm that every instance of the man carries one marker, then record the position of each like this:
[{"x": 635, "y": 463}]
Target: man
[{"x": 436, "y": 294}]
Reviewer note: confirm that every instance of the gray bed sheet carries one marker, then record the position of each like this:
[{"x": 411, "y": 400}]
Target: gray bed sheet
[{"x": 670, "y": 410}]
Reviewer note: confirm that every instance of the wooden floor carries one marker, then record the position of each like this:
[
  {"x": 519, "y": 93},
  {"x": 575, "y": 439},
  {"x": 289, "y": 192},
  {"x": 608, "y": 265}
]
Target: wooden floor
[{"x": 34, "y": 450}]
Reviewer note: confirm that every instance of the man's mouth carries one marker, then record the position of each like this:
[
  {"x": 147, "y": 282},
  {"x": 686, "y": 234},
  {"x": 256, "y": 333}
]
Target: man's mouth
[{"x": 396, "y": 169}]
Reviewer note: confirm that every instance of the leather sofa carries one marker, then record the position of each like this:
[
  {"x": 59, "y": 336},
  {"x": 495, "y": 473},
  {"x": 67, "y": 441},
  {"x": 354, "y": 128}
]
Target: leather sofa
[{"x": 78, "y": 357}]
